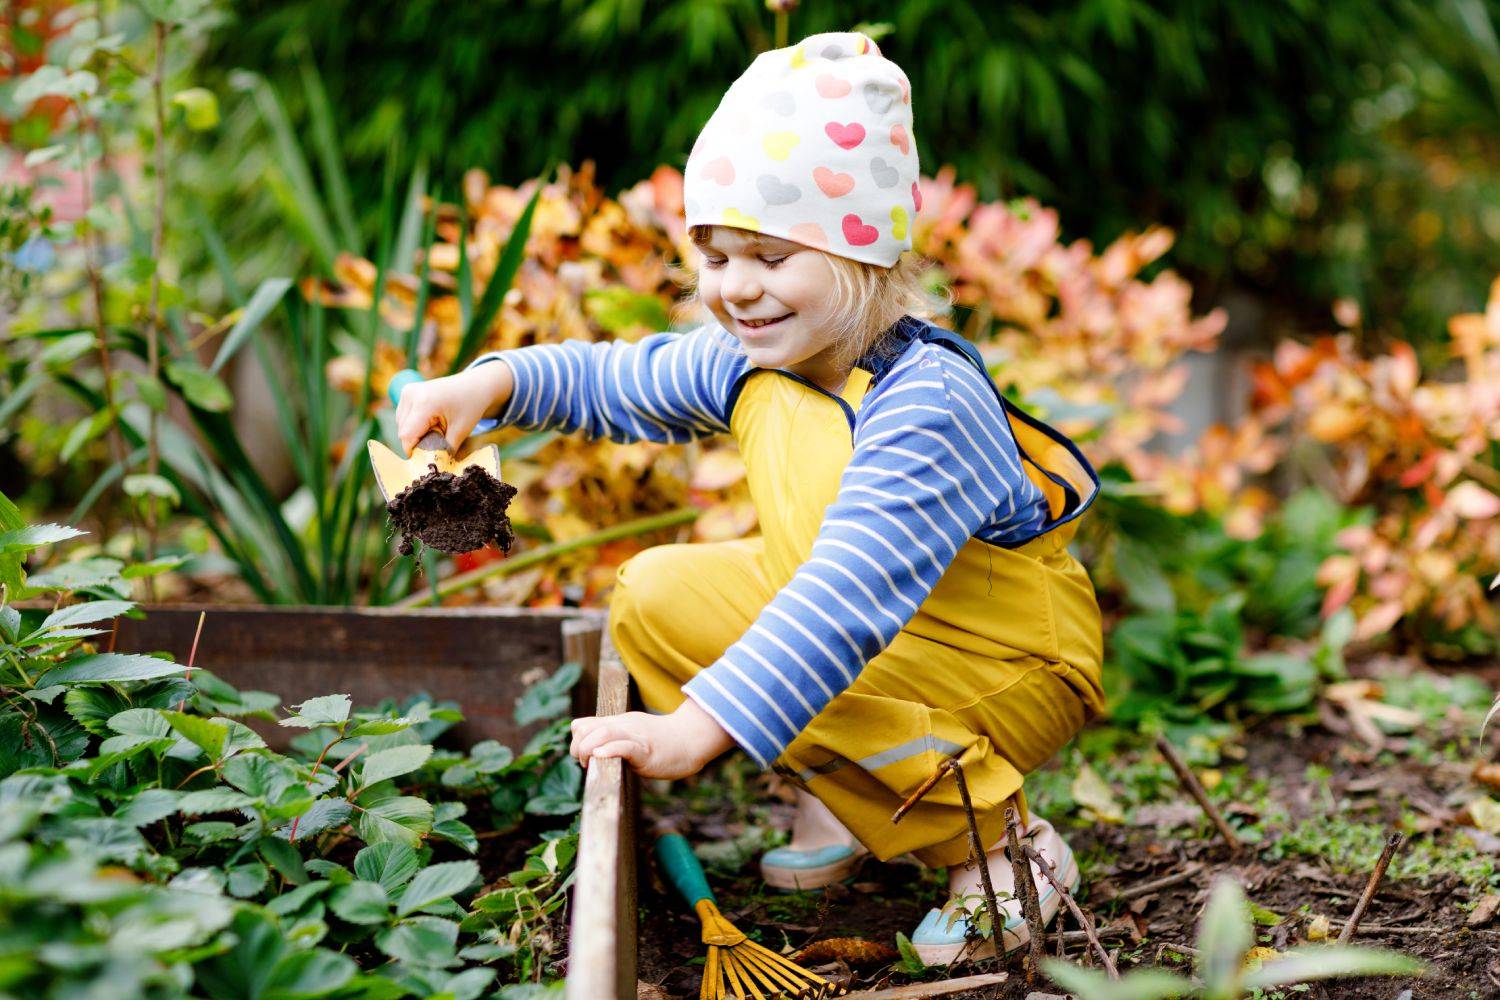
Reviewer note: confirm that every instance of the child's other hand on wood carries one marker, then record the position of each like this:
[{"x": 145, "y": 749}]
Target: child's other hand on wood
[
  {"x": 655, "y": 746},
  {"x": 454, "y": 403}
]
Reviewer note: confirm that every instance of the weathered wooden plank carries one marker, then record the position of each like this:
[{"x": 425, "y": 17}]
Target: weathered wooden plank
[
  {"x": 602, "y": 938},
  {"x": 476, "y": 656}
]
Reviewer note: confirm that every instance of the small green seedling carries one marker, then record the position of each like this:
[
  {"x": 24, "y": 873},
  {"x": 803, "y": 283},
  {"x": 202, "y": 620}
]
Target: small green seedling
[{"x": 1225, "y": 936}]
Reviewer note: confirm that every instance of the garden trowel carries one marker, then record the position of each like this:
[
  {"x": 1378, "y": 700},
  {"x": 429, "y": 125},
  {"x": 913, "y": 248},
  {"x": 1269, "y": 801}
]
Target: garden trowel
[{"x": 452, "y": 504}]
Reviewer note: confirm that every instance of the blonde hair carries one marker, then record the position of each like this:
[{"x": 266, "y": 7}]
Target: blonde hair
[{"x": 868, "y": 298}]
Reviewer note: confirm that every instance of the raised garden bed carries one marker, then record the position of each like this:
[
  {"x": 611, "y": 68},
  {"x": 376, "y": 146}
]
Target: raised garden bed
[{"x": 480, "y": 657}]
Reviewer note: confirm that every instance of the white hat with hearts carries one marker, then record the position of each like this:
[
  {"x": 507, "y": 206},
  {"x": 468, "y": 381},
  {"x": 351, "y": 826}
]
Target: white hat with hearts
[{"x": 813, "y": 143}]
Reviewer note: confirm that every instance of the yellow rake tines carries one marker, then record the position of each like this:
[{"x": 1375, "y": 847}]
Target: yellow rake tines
[
  {"x": 741, "y": 969},
  {"x": 737, "y": 967}
]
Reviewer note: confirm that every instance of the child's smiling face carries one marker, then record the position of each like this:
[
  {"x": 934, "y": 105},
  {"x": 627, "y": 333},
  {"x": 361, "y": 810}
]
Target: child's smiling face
[{"x": 747, "y": 278}]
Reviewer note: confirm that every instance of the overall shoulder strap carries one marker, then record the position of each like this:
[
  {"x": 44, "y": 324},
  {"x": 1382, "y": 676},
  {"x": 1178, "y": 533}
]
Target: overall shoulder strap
[{"x": 1050, "y": 458}]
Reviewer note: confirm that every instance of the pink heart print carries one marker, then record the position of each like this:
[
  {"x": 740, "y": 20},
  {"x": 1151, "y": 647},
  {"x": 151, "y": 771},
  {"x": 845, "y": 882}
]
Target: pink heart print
[
  {"x": 834, "y": 184},
  {"x": 810, "y": 234},
  {"x": 900, "y": 138},
  {"x": 847, "y": 136},
  {"x": 720, "y": 170},
  {"x": 857, "y": 233},
  {"x": 831, "y": 86},
  {"x": 916, "y": 196}
]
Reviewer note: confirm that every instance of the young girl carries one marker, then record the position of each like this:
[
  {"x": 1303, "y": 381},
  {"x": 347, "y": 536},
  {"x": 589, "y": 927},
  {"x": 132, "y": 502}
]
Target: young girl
[{"x": 910, "y": 596}]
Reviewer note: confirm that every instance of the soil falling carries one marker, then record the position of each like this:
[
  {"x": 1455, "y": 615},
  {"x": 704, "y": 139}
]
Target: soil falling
[{"x": 453, "y": 513}]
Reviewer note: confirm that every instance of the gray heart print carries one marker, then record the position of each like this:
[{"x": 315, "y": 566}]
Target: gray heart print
[
  {"x": 879, "y": 98},
  {"x": 781, "y": 102},
  {"x": 775, "y": 192},
  {"x": 885, "y": 174}
]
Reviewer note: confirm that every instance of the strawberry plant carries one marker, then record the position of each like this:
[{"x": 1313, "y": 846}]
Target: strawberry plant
[{"x": 152, "y": 844}]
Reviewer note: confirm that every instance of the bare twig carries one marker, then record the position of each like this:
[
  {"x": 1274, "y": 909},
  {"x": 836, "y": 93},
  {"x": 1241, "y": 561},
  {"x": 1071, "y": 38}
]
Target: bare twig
[
  {"x": 1391, "y": 844},
  {"x": 1031, "y": 905},
  {"x": 1045, "y": 867},
  {"x": 187, "y": 673},
  {"x": 977, "y": 852},
  {"x": 922, "y": 790},
  {"x": 1195, "y": 789},
  {"x": 1156, "y": 885}
]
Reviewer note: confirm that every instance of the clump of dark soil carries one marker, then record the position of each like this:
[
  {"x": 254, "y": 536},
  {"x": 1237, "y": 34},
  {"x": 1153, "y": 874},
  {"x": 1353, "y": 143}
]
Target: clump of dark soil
[{"x": 453, "y": 513}]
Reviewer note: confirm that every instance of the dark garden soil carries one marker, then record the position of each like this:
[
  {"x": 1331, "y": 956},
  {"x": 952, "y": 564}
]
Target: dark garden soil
[
  {"x": 1314, "y": 806},
  {"x": 453, "y": 513}
]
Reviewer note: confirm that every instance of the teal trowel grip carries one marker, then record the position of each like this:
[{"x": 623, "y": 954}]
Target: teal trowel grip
[
  {"x": 682, "y": 868},
  {"x": 407, "y": 376}
]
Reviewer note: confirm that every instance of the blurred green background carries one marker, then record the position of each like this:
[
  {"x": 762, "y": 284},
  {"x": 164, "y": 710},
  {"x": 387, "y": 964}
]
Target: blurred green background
[{"x": 1304, "y": 151}]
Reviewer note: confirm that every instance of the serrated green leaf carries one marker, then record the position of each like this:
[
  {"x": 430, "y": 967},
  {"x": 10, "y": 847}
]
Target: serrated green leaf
[
  {"x": 393, "y": 762},
  {"x": 426, "y": 942},
  {"x": 35, "y": 536},
  {"x": 86, "y": 613},
  {"x": 390, "y": 864},
  {"x": 362, "y": 902},
  {"x": 209, "y": 735},
  {"x": 246, "y": 880},
  {"x": 329, "y": 710},
  {"x": 108, "y": 668},
  {"x": 404, "y": 819},
  {"x": 548, "y": 698},
  {"x": 380, "y": 727},
  {"x": 211, "y": 800},
  {"x": 436, "y": 882},
  {"x": 324, "y": 814}
]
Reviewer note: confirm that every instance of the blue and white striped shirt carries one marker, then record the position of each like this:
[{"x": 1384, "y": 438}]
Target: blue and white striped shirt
[{"x": 934, "y": 462}]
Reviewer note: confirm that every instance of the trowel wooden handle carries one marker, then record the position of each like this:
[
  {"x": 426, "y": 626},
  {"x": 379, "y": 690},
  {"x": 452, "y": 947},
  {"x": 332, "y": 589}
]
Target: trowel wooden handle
[{"x": 434, "y": 440}]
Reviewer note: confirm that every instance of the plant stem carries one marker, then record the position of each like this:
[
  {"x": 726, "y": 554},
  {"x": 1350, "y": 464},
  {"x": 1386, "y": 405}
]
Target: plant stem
[
  {"x": 96, "y": 288},
  {"x": 292, "y": 834},
  {"x": 640, "y": 526},
  {"x": 192, "y": 655},
  {"x": 153, "y": 308}
]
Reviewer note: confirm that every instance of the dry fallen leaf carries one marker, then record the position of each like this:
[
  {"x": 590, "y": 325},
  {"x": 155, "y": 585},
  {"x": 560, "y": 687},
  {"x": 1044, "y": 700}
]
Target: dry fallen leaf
[
  {"x": 1484, "y": 910},
  {"x": 1483, "y": 813},
  {"x": 1488, "y": 774},
  {"x": 1318, "y": 928},
  {"x": 1094, "y": 794}
]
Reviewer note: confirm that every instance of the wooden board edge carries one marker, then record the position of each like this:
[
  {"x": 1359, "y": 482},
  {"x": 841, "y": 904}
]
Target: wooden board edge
[{"x": 602, "y": 935}]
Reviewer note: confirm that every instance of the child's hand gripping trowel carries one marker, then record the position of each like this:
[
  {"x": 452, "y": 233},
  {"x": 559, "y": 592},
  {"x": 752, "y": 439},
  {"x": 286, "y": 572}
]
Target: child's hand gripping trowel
[{"x": 451, "y": 504}]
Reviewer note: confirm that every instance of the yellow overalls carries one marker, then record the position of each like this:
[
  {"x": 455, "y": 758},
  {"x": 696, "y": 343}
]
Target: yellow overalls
[{"x": 1000, "y": 665}]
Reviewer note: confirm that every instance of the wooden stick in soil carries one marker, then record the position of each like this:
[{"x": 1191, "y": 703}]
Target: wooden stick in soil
[
  {"x": 1155, "y": 885},
  {"x": 1045, "y": 867},
  {"x": 1391, "y": 844},
  {"x": 976, "y": 847},
  {"x": 1195, "y": 789},
  {"x": 1031, "y": 905}
]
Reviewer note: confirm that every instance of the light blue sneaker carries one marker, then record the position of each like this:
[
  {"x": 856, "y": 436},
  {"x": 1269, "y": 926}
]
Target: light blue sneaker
[
  {"x": 940, "y": 938},
  {"x": 813, "y": 868},
  {"x": 789, "y": 869}
]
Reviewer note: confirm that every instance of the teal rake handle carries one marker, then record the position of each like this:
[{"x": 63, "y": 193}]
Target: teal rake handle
[{"x": 682, "y": 868}]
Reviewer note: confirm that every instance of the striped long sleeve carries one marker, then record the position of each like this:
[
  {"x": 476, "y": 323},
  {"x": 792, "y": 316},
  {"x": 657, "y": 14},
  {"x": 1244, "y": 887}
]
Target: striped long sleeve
[
  {"x": 933, "y": 464},
  {"x": 667, "y": 387}
]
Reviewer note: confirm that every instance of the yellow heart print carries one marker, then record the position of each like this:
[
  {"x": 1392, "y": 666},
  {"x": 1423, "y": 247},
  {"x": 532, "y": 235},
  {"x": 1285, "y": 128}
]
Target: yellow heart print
[
  {"x": 779, "y": 145},
  {"x": 734, "y": 217},
  {"x": 898, "y": 223}
]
